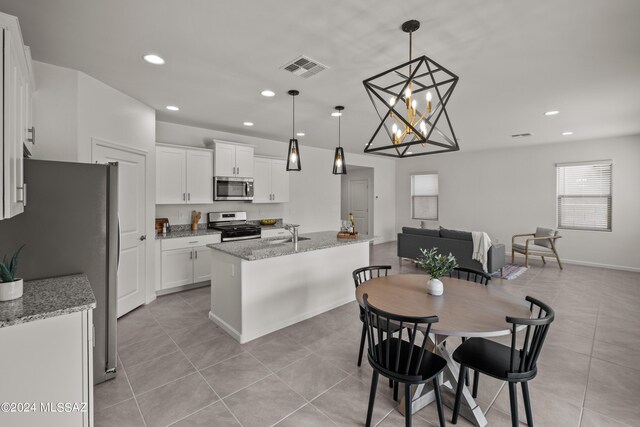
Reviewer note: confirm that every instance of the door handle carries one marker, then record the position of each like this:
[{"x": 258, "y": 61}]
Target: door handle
[
  {"x": 32, "y": 130},
  {"x": 143, "y": 237},
  {"x": 191, "y": 255},
  {"x": 189, "y": 196},
  {"x": 196, "y": 254},
  {"x": 184, "y": 197}
]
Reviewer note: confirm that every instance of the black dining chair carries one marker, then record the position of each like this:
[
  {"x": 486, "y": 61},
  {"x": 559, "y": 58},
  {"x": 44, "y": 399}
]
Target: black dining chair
[
  {"x": 470, "y": 275},
  {"x": 362, "y": 275},
  {"x": 402, "y": 361},
  {"x": 507, "y": 363}
]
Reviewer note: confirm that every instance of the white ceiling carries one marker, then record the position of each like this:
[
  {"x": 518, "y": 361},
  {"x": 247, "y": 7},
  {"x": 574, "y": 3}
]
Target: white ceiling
[{"x": 515, "y": 60}]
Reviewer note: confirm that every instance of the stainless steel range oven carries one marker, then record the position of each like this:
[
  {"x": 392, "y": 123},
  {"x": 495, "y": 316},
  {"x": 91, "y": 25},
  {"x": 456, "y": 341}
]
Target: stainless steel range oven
[
  {"x": 228, "y": 188},
  {"x": 233, "y": 225}
]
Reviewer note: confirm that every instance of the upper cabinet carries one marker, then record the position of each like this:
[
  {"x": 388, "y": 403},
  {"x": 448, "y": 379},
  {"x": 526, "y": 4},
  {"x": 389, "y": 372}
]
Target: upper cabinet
[
  {"x": 183, "y": 175},
  {"x": 271, "y": 181},
  {"x": 233, "y": 160},
  {"x": 18, "y": 134}
]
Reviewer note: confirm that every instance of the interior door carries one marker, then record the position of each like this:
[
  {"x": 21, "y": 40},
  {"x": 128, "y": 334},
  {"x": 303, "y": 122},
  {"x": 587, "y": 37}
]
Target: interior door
[
  {"x": 262, "y": 180},
  {"x": 244, "y": 161},
  {"x": 132, "y": 197},
  {"x": 225, "y": 159},
  {"x": 359, "y": 204},
  {"x": 279, "y": 181},
  {"x": 171, "y": 183},
  {"x": 199, "y": 176}
]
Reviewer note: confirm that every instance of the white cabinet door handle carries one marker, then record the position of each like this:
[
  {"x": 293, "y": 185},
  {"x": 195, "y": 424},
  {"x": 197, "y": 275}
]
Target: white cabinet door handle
[
  {"x": 191, "y": 255},
  {"x": 196, "y": 254},
  {"x": 189, "y": 196}
]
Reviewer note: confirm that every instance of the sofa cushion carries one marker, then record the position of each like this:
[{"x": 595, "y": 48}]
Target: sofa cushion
[
  {"x": 519, "y": 247},
  {"x": 455, "y": 234},
  {"x": 544, "y": 232},
  {"x": 421, "y": 231}
]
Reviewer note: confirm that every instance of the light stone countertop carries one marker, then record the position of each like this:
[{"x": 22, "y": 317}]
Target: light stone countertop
[
  {"x": 175, "y": 234},
  {"x": 46, "y": 298},
  {"x": 252, "y": 250}
]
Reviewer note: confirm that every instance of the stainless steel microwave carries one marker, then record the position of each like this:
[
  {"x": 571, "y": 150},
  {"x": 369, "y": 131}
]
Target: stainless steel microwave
[{"x": 228, "y": 188}]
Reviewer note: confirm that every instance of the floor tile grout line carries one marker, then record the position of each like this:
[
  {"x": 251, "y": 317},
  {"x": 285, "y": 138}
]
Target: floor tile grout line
[
  {"x": 153, "y": 359},
  {"x": 135, "y": 399},
  {"x": 593, "y": 345}
]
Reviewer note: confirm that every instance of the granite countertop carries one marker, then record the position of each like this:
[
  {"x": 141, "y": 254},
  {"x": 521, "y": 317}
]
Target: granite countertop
[
  {"x": 252, "y": 250},
  {"x": 45, "y": 298},
  {"x": 185, "y": 232}
]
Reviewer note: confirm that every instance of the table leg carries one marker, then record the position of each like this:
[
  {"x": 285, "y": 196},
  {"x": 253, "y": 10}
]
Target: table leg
[{"x": 424, "y": 394}]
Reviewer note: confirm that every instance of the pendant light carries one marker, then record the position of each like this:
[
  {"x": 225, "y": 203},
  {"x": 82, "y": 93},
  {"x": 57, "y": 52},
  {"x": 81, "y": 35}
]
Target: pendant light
[
  {"x": 339, "y": 164},
  {"x": 293, "y": 155},
  {"x": 410, "y": 99}
]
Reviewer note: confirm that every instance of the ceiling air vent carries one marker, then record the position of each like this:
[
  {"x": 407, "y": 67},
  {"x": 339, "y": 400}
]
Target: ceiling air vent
[
  {"x": 304, "y": 67},
  {"x": 521, "y": 135}
]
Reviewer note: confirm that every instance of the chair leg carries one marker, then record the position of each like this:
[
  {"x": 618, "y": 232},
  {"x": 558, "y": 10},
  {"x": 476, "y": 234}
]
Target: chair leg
[
  {"x": 543, "y": 261},
  {"x": 467, "y": 383},
  {"x": 456, "y": 405},
  {"x": 436, "y": 389},
  {"x": 476, "y": 381},
  {"x": 362, "y": 337},
  {"x": 513, "y": 256},
  {"x": 526, "y": 259},
  {"x": 513, "y": 399},
  {"x": 372, "y": 397},
  {"x": 407, "y": 405},
  {"x": 395, "y": 391},
  {"x": 400, "y": 262},
  {"x": 502, "y": 270},
  {"x": 558, "y": 259},
  {"x": 527, "y": 403}
]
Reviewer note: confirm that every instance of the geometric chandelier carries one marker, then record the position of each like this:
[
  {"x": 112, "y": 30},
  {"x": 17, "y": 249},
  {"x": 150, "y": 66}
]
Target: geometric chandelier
[{"x": 410, "y": 100}]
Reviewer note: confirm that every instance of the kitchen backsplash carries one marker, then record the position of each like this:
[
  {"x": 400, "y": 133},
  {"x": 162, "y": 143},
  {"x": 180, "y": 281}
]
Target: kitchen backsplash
[{"x": 181, "y": 214}]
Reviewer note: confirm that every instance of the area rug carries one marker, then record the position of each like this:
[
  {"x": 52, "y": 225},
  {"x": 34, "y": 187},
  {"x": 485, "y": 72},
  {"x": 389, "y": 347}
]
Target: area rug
[{"x": 510, "y": 271}]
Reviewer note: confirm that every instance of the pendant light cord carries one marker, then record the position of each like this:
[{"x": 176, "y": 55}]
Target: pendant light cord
[
  {"x": 293, "y": 125},
  {"x": 339, "y": 127}
]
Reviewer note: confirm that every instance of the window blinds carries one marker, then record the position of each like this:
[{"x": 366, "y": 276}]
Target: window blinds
[
  {"x": 584, "y": 196},
  {"x": 424, "y": 196}
]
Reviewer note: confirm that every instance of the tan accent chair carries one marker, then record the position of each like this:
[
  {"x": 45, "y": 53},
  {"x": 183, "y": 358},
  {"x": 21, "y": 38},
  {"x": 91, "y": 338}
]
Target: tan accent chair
[{"x": 541, "y": 243}]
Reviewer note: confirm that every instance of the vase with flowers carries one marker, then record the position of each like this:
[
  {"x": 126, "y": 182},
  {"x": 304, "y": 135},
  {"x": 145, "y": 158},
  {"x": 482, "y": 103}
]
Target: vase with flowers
[{"x": 438, "y": 266}]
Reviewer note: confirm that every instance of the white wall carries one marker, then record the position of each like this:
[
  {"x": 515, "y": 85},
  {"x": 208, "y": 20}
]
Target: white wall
[
  {"x": 504, "y": 192},
  {"x": 71, "y": 108},
  {"x": 314, "y": 193}
]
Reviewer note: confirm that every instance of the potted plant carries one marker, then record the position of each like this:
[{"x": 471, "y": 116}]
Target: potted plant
[
  {"x": 437, "y": 265},
  {"x": 10, "y": 286}
]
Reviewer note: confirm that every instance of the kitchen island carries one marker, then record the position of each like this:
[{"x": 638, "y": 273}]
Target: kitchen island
[{"x": 260, "y": 286}]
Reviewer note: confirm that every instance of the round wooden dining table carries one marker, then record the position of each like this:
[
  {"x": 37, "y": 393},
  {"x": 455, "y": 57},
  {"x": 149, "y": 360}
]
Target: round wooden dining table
[{"x": 465, "y": 309}]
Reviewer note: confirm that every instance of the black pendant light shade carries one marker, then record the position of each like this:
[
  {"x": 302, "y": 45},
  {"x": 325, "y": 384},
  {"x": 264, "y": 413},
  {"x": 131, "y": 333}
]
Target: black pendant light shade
[
  {"x": 339, "y": 164},
  {"x": 293, "y": 155},
  {"x": 402, "y": 97}
]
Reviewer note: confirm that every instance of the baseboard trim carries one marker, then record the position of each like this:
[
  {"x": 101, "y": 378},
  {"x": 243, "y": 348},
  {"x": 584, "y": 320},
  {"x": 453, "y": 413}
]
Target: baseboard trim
[{"x": 551, "y": 258}]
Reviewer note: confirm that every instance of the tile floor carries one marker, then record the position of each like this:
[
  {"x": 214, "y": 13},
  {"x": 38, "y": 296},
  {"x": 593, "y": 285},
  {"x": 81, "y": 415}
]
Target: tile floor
[{"x": 178, "y": 368}]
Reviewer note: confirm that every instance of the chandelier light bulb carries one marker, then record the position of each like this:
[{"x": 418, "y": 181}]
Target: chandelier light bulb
[
  {"x": 392, "y": 101},
  {"x": 407, "y": 93},
  {"x": 414, "y": 104},
  {"x": 428, "y": 101},
  {"x": 394, "y": 128},
  {"x": 423, "y": 128}
]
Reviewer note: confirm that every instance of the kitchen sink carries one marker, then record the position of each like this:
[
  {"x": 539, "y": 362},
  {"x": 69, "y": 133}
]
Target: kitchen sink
[{"x": 287, "y": 240}]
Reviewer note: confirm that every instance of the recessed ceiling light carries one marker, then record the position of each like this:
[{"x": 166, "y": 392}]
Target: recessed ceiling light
[
  {"x": 300, "y": 134},
  {"x": 267, "y": 93},
  {"x": 336, "y": 114},
  {"x": 153, "y": 59},
  {"x": 551, "y": 113},
  {"x": 172, "y": 108},
  {"x": 567, "y": 133},
  {"x": 248, "y": 123}
]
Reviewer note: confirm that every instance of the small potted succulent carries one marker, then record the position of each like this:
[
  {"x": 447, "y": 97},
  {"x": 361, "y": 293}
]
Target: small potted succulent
[
  {"x": 437, "y": 265},
  {"x": 10, "y": 286}
]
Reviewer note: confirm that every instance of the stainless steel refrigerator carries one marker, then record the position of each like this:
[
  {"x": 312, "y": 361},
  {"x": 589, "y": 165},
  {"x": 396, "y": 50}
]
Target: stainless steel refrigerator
[{"x": 70, "y": 225}]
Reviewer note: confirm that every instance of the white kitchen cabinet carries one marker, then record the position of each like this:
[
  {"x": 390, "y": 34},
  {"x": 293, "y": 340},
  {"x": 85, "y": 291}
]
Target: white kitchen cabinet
[
  {"x": 185, "y": 260},
  {"x": 271, "y": 181},
  {"x": 16, "y": 88},
  {"x": 183, "y": 175},
  {"x": 233, "y": 160},
  {"x": 274, "y": 232}
]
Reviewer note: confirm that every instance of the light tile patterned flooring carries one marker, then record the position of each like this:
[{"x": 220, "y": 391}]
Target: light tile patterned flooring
[{"x": 177, "y": 368}]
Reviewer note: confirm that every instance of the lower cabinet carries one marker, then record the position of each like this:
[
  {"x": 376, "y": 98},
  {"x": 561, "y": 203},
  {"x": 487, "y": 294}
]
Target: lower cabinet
[
  {"x": 274, "y": 232},
  {"x": 185, "y": 261}
]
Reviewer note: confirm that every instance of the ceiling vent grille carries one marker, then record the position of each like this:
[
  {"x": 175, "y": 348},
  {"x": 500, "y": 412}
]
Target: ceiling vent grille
[
  {"x": 304, "y": 66},
  {"x": 521, "y": 135}
]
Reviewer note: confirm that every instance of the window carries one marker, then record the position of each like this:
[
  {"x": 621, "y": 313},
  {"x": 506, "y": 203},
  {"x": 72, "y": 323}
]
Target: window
[
  {"x": 584, "y": 196},
  {"x": 424, "y": 196}
]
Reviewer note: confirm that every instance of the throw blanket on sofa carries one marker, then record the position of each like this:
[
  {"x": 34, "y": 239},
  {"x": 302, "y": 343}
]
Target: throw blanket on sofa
[{"x": 481, "y": 245}]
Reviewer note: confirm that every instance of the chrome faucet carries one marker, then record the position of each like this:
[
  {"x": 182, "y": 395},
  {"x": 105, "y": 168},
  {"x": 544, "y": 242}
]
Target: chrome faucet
[{"x": 293, "y": 229}]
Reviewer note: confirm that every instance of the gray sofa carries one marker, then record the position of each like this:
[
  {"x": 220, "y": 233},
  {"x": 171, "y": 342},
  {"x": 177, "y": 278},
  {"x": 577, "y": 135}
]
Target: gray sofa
[{"x": 459, "y": 243}]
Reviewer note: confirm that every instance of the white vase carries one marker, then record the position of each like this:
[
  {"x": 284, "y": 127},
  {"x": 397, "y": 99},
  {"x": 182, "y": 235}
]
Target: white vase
[
  {"x": 11, "y": 290},
  {"x": 435, "y": 287}
]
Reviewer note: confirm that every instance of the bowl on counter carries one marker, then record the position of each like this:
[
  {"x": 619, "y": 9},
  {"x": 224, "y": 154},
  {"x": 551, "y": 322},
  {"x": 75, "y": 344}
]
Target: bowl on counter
[{"x": 268, "y": 221}]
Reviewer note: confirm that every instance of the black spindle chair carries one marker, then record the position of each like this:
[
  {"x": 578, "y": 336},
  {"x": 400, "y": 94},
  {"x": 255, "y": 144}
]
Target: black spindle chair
[
  {"x": 362, "y": 275},
  {"x": 470, "y": 275},
  {"x": 475, "y": 276},
  {"x": 401, "y": 361},
  {"x": 512, "y": 364}
]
